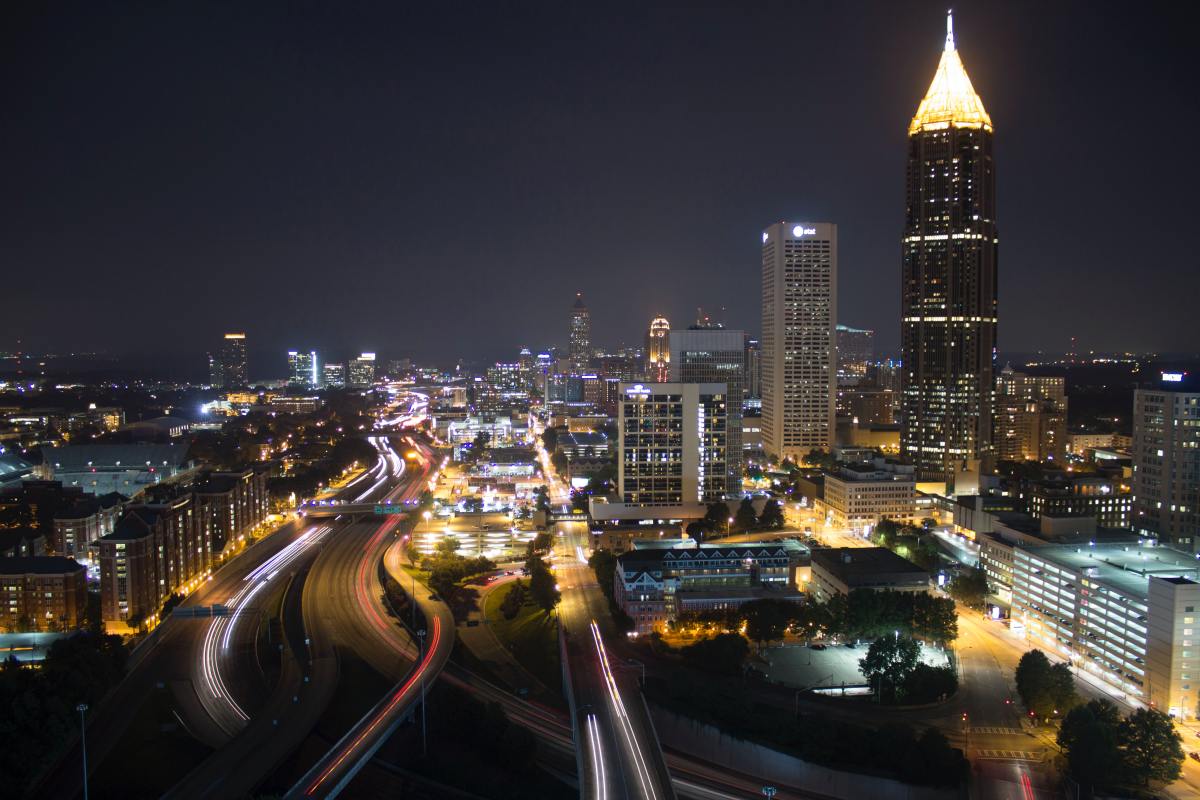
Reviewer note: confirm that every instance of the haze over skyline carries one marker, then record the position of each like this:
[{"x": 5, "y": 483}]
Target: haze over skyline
[{"x": 442, "y": 177}]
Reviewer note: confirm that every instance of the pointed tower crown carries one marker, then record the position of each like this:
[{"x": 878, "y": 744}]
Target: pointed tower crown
[{"x": 951, "y": 100}]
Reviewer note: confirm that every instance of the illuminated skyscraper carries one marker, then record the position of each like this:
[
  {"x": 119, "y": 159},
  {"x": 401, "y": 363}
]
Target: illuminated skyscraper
[
  {"x": 361, "y": 371},
  {"x": 856, "y": 347},
  {"x": 303, "y": 369},
  {"x": 580, "y": 345},
  {"x": 658, "y": 350},
  {"x": 1166, "y": 459},
  {"x": 716, "y": 356},
  {"x": 334, "y": 375},
  {"x": 948, "y": 277},
  {"x": 799, "y": 358},
  {"x": 227, "y": 367}
]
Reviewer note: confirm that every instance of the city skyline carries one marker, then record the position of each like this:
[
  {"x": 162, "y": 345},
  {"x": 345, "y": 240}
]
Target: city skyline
[
  {"x": 392, "y": 402},
  {"x": 364, "y": 226}
]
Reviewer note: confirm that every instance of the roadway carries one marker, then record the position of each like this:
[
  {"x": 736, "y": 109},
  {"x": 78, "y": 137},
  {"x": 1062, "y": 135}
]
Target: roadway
[
  {"x": 251, "y": 724},
  {"x": 348, "y": 606},
  {"x": 620, "y": 754}
]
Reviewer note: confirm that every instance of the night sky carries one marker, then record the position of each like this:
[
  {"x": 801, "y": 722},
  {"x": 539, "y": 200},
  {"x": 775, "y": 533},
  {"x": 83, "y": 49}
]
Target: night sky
[{"x": 442, "y": 177}]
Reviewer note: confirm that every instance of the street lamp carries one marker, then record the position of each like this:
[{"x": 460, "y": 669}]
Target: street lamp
[{"x": 82, "y": 709}]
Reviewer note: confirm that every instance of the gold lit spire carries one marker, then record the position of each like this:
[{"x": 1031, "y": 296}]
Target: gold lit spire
[{"x": 951, "y": 100}]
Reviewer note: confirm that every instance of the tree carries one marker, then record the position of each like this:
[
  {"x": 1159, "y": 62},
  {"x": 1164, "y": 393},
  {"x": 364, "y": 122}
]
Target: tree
[
  {"x": 970, "y": 587},
  {"x": 723, "y": 654},
  {"x": 604, "y": 564},
  {"x": 745, "y": 518},
  {"x": 766, "y": 619},
  {"x": 926, "y": 683},
  {"x": 550, "y": 439},
  {"x": 542, "y": 587},
  {"x": 560, "y": 462},
  {"x": 1045, "y": 688},
  {"x": 448, "y": 546},
  {"x": 541, "y": 496},
  {"x": 169, "y": 605},
  {"x": 885, "y": 533},
  {"x": 717, "y": 517},
  {"x": 1088, "y": 737},
  {"x": 481, "y": 442},
  {"x": 1151, "y": 748},
  {"x": 772, "y": 515},
  {"x": 932, "y": 618},
  {"x": 510, "y": 606},
  {"x": 890, "y": 659}
]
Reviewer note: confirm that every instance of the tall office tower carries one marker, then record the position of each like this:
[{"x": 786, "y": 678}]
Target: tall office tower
[
  {"x": 1030, "y": 422},
  {"x": 303, "y": 369},
  {"x": 716, "y": 356},
  {"x": 335, "y": 375},
  {"x": 658, "y": 350},
  {"x": 856, "y": 348},
  {"x": 948, "y": 278},
  {"x": 227, "y": 367},
  {"x": 361, "y": 371},
  {"x": 752, "y": 379},
  {"x": 525, "y": 362},
  {"x": 799, "y": 362},
  {"x": 673, "y": 444},
  {"x": 579, "y": 350},
  {"x": 1166, "y": 460}
]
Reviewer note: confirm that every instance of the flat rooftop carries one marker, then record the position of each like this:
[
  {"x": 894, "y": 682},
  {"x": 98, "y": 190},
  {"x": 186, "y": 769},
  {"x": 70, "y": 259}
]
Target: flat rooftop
[
  {"x": 853, "y": 563},
  {"x": 39, "y": 565},
  {"x": 1126, "y": 567}
]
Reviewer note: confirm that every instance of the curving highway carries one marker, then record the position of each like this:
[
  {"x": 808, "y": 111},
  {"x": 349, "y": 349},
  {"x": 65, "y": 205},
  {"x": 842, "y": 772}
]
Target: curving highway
[{"x": 353, "y": 612}]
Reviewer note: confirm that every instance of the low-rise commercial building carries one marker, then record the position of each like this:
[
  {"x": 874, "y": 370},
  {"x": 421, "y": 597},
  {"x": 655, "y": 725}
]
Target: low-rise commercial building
[
  {"x": 295, "y": 404},
  {"x": 42, "y": 593},
  {"x": 1109, "y": 502},
  {"x": 858, "y": 496},
  {"x": 654, "y": 584},
  {"x": 1125, "y": 612},
  {"x": 841, "y": 570}
]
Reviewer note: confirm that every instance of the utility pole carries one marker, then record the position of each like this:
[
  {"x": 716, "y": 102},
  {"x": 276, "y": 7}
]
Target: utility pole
[{"x": 82, "y": 709}]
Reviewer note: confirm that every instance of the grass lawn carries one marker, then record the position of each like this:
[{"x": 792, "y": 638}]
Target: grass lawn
[
  {"x": 531, "y": 637},
  {"x": 154, "y": 754}
]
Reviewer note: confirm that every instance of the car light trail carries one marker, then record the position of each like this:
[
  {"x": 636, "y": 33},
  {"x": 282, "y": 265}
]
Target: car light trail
[
  {"x": 222, "y": 628},
  {"x": 598, "y": 773},
  {"x": 1026, "y": 786},
  {"x": 618, "y": 705},
  {"x": 383, "y": 712}
]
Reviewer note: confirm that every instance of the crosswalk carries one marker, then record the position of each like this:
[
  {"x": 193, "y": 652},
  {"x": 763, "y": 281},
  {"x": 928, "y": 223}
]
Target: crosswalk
[
  {"x": 1003, "y": 731},
  {"x": 1010, "y": 755}
]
